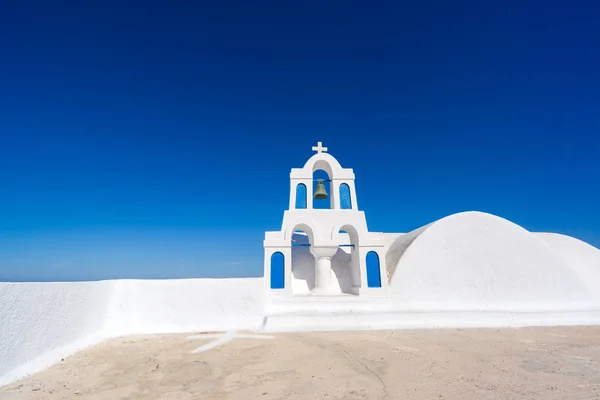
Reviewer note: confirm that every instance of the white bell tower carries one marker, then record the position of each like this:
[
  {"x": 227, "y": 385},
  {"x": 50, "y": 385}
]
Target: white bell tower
[{"x": 344, "y": 259}]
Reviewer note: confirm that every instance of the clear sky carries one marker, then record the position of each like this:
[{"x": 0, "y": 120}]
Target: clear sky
[{"x": 156, "y": 139}]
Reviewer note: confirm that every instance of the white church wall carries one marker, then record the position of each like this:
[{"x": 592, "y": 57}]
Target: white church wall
[
  {"x": 479, "y": 261},
  {"x": 303, "y": 271},
  {"x": 303, "y": 265},
  {"x": 40, "y": 323},
  {"x": 323, "y": 225},
  {"x": 340, "y": 264}
]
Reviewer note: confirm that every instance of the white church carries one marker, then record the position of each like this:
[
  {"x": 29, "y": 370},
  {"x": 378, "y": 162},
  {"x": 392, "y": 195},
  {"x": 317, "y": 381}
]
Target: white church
[
  {"x": 323, "y": 270},
  {"x": 325, "y": 260},
  {"x": 335, "y": 254}
]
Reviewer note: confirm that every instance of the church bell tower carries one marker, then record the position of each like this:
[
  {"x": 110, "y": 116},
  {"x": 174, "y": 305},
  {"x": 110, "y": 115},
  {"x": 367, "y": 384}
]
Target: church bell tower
[{"x": 324, "y": 251}]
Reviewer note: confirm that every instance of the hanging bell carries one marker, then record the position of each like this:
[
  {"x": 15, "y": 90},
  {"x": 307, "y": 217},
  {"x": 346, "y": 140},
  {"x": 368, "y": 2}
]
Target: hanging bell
[{"x": 320, "y": 193}]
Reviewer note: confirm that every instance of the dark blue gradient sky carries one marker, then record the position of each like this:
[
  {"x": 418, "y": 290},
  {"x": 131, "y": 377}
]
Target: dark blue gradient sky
[{"x": 142, "y": 139}]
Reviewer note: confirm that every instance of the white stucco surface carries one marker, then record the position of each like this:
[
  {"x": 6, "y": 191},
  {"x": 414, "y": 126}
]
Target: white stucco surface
[
  {"x": 582, "y": 258},
  {"x": 475, "y": 260},
  {"x": 303, "y": 266},
  {"x": 185, "y": 305},
  {"x": 42, "y": 322}
]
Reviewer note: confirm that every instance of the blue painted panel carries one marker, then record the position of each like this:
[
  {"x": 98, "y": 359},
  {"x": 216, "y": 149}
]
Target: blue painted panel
[
  {"x": 301, "y": 196},
  {"x": 345, "y": 197},
  {"x": 277, "y": 271},
  {"x": 373, "y": 275}
]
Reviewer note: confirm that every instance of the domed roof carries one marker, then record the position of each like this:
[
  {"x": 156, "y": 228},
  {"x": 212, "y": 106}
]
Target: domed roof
[{"x": 475, "y": 260}]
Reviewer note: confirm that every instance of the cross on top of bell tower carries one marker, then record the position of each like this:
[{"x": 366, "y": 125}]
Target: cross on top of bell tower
[{"x": 319, "y": 148}]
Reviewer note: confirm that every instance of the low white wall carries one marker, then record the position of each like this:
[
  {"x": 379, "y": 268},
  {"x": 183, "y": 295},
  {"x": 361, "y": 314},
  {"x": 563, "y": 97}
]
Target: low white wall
[
  {"x": 185, "y": 305},
  {"x": 42, "y": 322}
]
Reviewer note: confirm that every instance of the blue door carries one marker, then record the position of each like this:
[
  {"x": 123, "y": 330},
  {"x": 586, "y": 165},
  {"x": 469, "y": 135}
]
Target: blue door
[
  {"x": 373, "y": 275},
  {"x": 277, "y": 271}
]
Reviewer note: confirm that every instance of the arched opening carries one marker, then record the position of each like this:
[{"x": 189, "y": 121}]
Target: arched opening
[
  {"x": 373, "y": 270},
  {"x": 301, "y": 196},
  {"x": 345, "y": 197},
  {"x": 303, "y": 263},
  {"x": 342, "y": 263},
  {"x": 321, "y": 204},
  {"x": 277, "y": 270}
]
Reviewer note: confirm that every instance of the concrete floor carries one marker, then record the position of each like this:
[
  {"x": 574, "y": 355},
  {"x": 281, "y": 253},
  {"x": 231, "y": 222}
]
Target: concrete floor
[{"x": 537, "y": 363}]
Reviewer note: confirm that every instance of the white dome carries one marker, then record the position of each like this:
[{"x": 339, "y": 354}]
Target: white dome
[
  {"x": 582, "y": 258},
  {"x": 474, "y": 260}
]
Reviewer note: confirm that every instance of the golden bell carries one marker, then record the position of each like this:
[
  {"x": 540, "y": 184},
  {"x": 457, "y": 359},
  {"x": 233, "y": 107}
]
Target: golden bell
[{"x": 320, "y": 193}]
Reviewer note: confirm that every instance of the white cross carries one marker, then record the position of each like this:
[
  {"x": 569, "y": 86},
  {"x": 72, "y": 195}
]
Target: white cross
[
  {"x": 319, "y": 148},
  {"x": 223, "y": 338}
]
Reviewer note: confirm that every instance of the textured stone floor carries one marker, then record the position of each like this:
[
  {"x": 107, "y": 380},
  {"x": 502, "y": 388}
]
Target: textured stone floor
[{"x": 533, "y": 363}]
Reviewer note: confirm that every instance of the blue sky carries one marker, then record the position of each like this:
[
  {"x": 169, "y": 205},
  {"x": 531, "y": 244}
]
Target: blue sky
[{"x": 141, "y": 140}]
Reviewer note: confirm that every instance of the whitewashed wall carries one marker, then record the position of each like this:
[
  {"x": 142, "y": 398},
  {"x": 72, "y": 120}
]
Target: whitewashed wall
[
  {"x": 184, "y": 305},
  {"x": 42, "y": 322},
  {"x": 303, "y": 270}
]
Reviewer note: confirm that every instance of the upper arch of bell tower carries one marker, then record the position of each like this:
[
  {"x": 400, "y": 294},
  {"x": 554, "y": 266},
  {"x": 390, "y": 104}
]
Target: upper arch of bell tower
[
  {"x": 324, "y": 161},
  {"x": 342, "y": 190}
]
